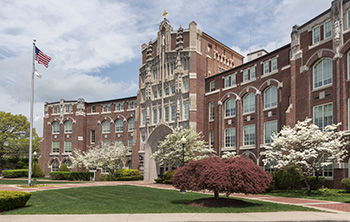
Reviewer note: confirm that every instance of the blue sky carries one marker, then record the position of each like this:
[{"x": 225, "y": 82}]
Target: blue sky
[{"x": 95, "y": 45}]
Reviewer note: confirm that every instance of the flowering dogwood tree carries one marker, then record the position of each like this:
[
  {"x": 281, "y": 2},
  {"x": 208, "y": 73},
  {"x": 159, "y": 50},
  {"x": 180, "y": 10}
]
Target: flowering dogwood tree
[
  {"x": 108, "y": 157},
  {"x": 170, "y": 149},
  {"x": 307, "y": 146},
  {"x": 230, "y": 175}
]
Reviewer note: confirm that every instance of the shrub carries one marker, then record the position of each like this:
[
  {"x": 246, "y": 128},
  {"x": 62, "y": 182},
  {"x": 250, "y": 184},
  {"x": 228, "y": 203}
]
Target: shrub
[
  {"x": 346, "y": 183},
  {"x": 13, "y": 199},
  {"x": 127, "y": 174},
  {"x": 65, "y": 175},
  {"x": 38, "y": 171},
  {"x": 316, "y": 183},
  {"x": 15, "y": 173},
  {"x": 105, "y": 177},
  {"x": 222, "y": 175},
  {"x": 288, "y": 178},
  {"x": 166, "y": 178},
  {"x": 64, "y": 167},
  {"x": 158, "y": 180}
]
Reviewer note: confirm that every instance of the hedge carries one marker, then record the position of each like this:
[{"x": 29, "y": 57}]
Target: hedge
[
  {"x": 346, "y": 183},
  {"x": 10, "y": 200},
  {"x": 127, "y": 174},
  {"x": 15, "y": 173},
  {"x": 65, "y": 175},
  {"x": 316, "y": 184}
]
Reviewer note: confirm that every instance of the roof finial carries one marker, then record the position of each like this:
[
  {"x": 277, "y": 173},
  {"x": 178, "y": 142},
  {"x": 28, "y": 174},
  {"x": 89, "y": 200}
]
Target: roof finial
[{"x": 165, "y": 13}]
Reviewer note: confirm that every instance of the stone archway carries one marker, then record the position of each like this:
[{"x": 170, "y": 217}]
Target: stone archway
[{"x": 151, "y": 168}]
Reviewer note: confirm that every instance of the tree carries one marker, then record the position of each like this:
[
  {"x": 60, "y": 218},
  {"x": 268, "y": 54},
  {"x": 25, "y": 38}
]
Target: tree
[
  {"x": 229, "y": 175},
  {"x": 14, "y": 136},
  {"x": 306, "y": 146},
  {"x": 170, "y": 149},
  {"x": 104, "y": 157}
]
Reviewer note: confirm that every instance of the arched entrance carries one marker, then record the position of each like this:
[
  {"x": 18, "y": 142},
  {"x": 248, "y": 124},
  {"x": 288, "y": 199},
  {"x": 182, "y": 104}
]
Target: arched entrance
[{"x": 152, "y": 168}]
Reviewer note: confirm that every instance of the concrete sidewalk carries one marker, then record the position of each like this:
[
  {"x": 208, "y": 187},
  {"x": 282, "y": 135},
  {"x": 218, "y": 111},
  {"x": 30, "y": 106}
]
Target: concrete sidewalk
[{"x": 184, "y": 217}]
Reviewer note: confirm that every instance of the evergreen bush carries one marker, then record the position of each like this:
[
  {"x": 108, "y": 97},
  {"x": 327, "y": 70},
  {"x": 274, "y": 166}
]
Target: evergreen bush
[
  {"x": 64, "y": 167},
  {"x": 10, "y": 200},
  {"x": 287, "y": 179},
  {"x": 38, "y": 171},
  {"x": 127, "y": 174},
  {"x": 15, "y": 173},
  {"x": 346, "y": 183}
]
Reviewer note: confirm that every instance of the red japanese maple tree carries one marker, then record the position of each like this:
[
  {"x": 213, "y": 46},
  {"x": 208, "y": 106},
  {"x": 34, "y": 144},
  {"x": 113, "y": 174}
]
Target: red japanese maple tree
[{"x": 231, "y": 175}]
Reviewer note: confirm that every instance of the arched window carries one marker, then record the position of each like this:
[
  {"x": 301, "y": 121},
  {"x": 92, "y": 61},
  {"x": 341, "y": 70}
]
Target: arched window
[
  {"x": 68, "y": 126},
  {"x": 119, "y": 125},
  {"x": 131, "y": 123},
  {"x": 106, "y": 126},
  {"x": 230, "y": 107},
  {"x": 249, "y": 103},
  {"x": 55, "y": 127},
  {"x": 323, "y": 73},
  {"x": 68, "y": 163},
  {"x": 55, "y": 166},
  {"x": 270, "y": 97}
]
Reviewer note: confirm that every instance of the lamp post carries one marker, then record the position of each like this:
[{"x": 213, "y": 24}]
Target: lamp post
[
  {"x": 34, "y": 156},
  {"x": 183, "y": 141}
]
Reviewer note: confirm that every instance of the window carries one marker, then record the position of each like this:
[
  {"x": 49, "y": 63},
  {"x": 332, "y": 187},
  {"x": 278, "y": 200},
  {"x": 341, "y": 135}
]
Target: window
[
  {"x": 56, "y": 109},
  {"x": 155, "y": 120},
  {"x": 106, "y": 126},
  {"x": 323, "y": 73},
  {"x": 269, "y": 129},
  {"x": 173, "y": 112},
  {"x": 167, "y": 113},
  {"x": 119, "y": 125},
  {"x": 167, "y": 91},
  {"x": 274, "y": 64},
  {"x": 326, "y": 171},
  {"x": 93, "y": 109},
  {"x": 55, "y": 166},
  {"x": 226, "y": 81},
  {"x": 212, "y": 86},
  {"x": 130, "y": 146},
  {"x": 155, "y": 94},
  {"x": 92, "y": 137},
  {"x": 186, "y": 110},
  {"x": 55, "y": 146},
  {"x": 249, "y": 103},
  {"x": 245, "y": 75},
  {"x": 187, "y": 86},
  {"x": 211, "y": 111},
  {"x": 211, "y": 139},
  {"x": 323, "y": 115},
  {"x": 160, "y": 93},
  {"x": 143, "y": 96},
  {"x": 328, "y": 29},
  {"x": 119, "y": 143},
  {"x": 249, "y": 135},
  {"x": 230, "y": 137},
  {"x": 144, "y": 117},
  {"x": 68, "y": 126},
  {"x": 106, "y": 144},
  {"x": 68, "y": 146},
  {"x": 252, "y": 72},
  {"x": 131, "y": 123},
  {"x": 316, "y": 35},
  {"x": 68, "y": 163},
  {"x": 69, "y": 108},
  {"x": 230, "y": 107},
  {"x": 270, "y": 167},
  {"x": 348, "y": 18},
  {"x": 106, "y": 108},
  {"x": 173, "y": 89},
  {"x": 266, "y": 67},
  {"x": 55, "y": 127},
  {"x": 270, "y": 97}
]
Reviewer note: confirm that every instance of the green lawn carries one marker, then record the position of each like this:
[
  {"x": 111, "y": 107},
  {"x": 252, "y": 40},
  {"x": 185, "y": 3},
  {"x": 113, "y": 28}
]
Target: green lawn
[
  {"x": 327, "y": 194},
  {"x": 21, "y": 182},
  {"x": 130, "y": 199}
]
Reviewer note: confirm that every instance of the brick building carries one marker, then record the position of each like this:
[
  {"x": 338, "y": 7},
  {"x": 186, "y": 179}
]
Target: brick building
[{"x": 189, "y": 79}]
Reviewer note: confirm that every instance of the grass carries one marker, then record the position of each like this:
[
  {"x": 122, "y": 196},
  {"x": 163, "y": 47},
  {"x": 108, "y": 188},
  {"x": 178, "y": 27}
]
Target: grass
[
  {"x": 21, "y": 182},
  {"x": 322, "y": 194},
  {"x": 131, "y": 199}
]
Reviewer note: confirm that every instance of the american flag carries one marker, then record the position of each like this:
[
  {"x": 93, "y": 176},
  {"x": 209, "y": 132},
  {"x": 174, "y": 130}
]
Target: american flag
[{"x": 41, "y": 57}]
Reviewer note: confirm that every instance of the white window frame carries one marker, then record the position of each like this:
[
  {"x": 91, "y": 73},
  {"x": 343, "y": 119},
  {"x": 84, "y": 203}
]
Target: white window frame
[
  {"x": 230, "y": 137},
  {"x": 167, "y": 113},
  {"x": 245, "y": 75},
  {"x": 348, "y": 18},
  {"x": 274, "y": 67},
  {"x": 324, "y": 29},
  {"x": 57, "y": 166},
  {"x": 248, "y": 133},
  {"x": 233, "y": 79},
  {"x": 322, "y": 106},
  {"x": 67, "y": 127},
  {"x": 131, "y": 124},
  {"x": 106, "y": 126},
  {"x": 252, "y": 70},
  {"x": 247, "y": 106},
  {"x": 266, "y": 67},
  {"x": 211, "y": 139},
  {"x": 316, "y": 34},
  {"x": 230, "y": 108},
  {"x": 348, "y": 64},
  {"x": 226, "y": 81},
  {"x": 322, "y": 74},
  {"x": 211, "y": 111},
  {"x": 173, "y": 112},
  {"x": 269, "y": 95},
  {"x": 119, "y": 127},
  {"x": 67, "y": 146},
  {"x": 212, "y": 86},
  {"x": 55, "y": 127},
  {"x": 186, "y": 110},
  {"x": 55, "y": 147},
  {"x": 269, "y": 128},
  {"x": 92, "y": 136},
  {"x": 130, "y": 141}
]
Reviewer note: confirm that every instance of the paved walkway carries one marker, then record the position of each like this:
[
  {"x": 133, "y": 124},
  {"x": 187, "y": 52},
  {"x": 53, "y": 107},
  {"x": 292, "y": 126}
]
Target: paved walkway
[{"x": 332, "y": 211}]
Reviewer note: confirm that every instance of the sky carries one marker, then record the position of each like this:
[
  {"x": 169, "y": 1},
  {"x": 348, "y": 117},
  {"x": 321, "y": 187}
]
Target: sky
[{"x": 95, "y": 45}]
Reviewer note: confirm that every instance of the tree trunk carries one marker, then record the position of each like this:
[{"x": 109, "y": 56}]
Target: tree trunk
[
  {"x": 307, "y": 186},
  {"x": 216, "y": 194}
]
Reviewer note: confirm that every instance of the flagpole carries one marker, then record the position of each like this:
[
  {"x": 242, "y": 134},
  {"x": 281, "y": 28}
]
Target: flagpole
[{"x": 31, "y": 121}]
